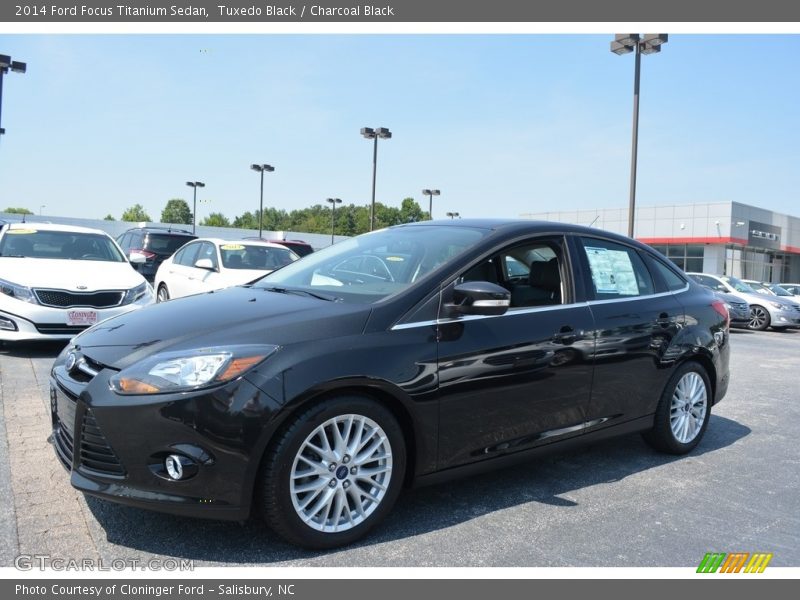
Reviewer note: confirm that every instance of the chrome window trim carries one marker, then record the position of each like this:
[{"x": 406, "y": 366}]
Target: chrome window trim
[{"x": 533, "y": 309}]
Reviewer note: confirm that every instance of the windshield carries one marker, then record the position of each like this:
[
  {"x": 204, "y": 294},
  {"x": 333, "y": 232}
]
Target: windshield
[
  {"x": 779, "y": 291},
  {"x": 760, "y": 288},
  {"x": 738, "y": 285},
  {"x": 66, "y": 245},
  {"x": 375, "y": 265},
  {"x": 236, "y": 255}
]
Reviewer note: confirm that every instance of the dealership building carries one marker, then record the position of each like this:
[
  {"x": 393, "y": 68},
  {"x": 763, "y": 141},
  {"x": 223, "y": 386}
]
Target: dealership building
[{"x": 727, "y": 238}]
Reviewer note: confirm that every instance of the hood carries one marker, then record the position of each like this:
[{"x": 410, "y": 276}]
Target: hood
[
  {"x": 756, "y": 298},
  {"x": 236, "y": 315},
  {"x": 69, "y": 274}
]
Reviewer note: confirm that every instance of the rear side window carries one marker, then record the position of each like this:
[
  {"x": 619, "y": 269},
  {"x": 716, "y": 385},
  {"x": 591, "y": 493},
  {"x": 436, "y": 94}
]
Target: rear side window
[
  {"x": 672, "y": 280},
  {"x": 616, "y": 271}
]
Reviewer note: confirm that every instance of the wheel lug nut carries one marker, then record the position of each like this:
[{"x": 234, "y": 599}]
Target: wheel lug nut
[
  {"x": 332, "y": 483},
  {"x": 346, "y": 484},
  {"x": 353, "y": 470},
  {"x": 332, "y": 467},
  {"x": 346, "y": 459}
]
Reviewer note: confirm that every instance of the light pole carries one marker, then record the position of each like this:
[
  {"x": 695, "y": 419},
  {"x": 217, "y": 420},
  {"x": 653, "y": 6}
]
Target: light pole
[
  {"x": 453, "y": 215},
  {"x": 431, "y": 194},
  {"x": 194, "y": 185},
  {"x": 624, "y": 43},
  {"x": 41, "y": 206},
  {"x": 5, "y": 64},
  {"x": 374, "y": 134},
  {"x": 333, "y": 202},
  {"x": 261, "y": 169}
]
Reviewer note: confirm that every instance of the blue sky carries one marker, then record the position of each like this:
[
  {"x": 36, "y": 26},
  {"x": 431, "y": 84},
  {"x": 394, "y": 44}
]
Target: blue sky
[{"x": 502, "y": 124}]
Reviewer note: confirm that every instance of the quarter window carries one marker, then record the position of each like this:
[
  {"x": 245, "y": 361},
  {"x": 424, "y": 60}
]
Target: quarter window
[
  {"x": 672, "y": 280},
  {"x": 616, "y": 270}
]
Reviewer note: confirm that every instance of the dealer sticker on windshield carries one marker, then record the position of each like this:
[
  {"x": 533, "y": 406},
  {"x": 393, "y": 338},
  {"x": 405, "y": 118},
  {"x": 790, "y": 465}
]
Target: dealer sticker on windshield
[{"x": 82, "y": 317}]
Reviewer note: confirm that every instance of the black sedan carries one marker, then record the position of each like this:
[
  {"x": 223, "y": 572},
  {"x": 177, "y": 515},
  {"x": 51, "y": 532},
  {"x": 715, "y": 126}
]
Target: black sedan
[{"x": 404, "y": 356}]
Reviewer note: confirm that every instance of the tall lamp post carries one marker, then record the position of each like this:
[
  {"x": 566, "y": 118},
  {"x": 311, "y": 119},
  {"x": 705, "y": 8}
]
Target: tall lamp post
[
  {"x": 5, "y": 64},
  {"x": 333, "y": 202},
  {"x": 625, "y": 43},
  {"x": 41, "y": 206},
  {"x": 431, "y": 194},
  {"x": 374, "y": 134},
  {"x": 194, "y": 185},
  {"x": 453, "y": 215},
  {"x": 261, "y": 169}
]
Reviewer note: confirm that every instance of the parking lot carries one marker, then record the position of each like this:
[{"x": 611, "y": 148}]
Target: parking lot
[{"x": 615, "y": 503}]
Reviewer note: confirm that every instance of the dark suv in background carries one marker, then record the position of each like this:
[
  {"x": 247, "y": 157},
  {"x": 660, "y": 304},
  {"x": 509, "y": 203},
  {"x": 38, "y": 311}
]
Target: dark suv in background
[
  {"x": 155, "y": 243},
  {"x": 299, "y": 247}
]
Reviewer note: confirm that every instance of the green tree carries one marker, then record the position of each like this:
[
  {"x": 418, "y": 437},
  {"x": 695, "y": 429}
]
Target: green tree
[
  {"x": 411, "y": 212},
  {"x": 136, "y": 213},
  {"x": 109, "y": 217},
  {"x": 177, "y": 211},
  {"x": 216, "y": 220},
  {"x": 18, "y": 211}
]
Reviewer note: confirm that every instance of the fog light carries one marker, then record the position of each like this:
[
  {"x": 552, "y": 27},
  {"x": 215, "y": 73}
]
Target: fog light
[
  {"x": 7, "y": 324},
  {"x": 179, "y": 467}
]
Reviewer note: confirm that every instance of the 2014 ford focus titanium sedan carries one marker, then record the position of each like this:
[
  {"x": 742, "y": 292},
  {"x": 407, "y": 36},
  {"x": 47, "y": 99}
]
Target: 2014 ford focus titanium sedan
[{"x": 404, "y": 356}]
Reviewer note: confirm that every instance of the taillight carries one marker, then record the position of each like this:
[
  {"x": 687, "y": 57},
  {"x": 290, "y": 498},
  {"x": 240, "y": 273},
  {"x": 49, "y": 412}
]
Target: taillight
[
  {"x": 146, "y": 253},
  {"x": 719, "y": 307}
]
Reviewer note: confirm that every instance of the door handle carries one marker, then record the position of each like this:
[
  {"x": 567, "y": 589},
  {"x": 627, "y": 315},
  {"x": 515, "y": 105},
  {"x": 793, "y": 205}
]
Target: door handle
[
  {"x": 664, "y": 320},
  {"x": 566, "y": 335}
]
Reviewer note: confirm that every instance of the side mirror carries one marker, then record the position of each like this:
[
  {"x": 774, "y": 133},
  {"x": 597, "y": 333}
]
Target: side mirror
[
  {"x": 205, "y": 263},
  {"x": 137, "y": 258},
  {"x": 479, "y": 298}
]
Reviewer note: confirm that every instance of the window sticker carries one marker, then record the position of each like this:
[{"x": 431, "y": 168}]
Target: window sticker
[
  {"x": 612, "y": 271},
  {"x": 232, "y": 247},
  {"x": 21, "y": 231}
]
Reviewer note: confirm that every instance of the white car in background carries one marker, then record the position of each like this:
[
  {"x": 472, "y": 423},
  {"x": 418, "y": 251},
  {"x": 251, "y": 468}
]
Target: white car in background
[
  {"x": 57, "y": 280},
  {"x": 209, "y": 264}
]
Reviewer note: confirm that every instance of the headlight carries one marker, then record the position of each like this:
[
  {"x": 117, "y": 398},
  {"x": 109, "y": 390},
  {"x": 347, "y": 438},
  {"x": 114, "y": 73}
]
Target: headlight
[
  {"x": 777, "y": 305},
  {"x": 189, "y": 369},
  {"x": 20, "y": 292},
  {"x": 133, "y": 294}
]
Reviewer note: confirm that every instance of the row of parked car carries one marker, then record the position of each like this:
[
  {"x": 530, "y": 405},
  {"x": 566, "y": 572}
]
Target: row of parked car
[
  {"x": 57, "y": 280},
  {"x": 753, "y": 304}
]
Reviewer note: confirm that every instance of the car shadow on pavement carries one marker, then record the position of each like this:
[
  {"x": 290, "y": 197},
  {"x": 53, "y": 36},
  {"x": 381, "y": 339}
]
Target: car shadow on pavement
[
  {"x": 417, "y": 512},
  {"x": 44, "y": 349}
]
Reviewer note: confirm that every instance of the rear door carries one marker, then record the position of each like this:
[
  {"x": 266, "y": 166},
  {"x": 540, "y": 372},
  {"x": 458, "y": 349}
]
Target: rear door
[
  {"x": 520, "y": 380},
  {"x": 635, "y": 324}
]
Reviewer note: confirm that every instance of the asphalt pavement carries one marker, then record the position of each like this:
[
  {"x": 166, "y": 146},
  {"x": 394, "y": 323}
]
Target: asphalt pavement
[{"x": 614, "y": 503}]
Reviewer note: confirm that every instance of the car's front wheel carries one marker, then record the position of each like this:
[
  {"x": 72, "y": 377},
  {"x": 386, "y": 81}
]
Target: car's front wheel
[
  {"x": 682, "y": 414},
  {"x": 334, "y": 472},
  {"x": 759, "y": 318},
  {"x": 163, "y": 293}
]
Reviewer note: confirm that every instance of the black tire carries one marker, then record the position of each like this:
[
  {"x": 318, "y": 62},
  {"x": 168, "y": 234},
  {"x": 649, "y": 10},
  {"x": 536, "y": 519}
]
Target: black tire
[
  {"x": 274, "y": 496},
  {"x": 163, "y": 293},
  {"x": 661, "y": 436},
  {"x": 759, "y": 318}
]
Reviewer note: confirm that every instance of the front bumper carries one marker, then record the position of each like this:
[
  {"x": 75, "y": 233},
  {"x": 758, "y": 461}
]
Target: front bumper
[
  {"x": 784, "y": 317},
  {"x": 23, "y": 321},
  {"x": 114, "y": 446}
]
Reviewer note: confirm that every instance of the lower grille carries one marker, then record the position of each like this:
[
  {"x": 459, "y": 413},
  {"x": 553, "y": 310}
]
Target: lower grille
[
  {"x": 63, "y": 427},
  {"x": 59, "y": 328},
  {"x": 95, "y": 453},
  {"x": 67, "y": 299}
]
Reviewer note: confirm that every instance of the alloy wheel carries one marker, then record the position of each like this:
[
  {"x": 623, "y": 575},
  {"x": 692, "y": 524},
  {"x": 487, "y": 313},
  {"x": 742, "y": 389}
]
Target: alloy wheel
[
  {"x": 758, "y": 318},
  {"x": 341, "y": 473},
  {"x": 688, "y": 409}
]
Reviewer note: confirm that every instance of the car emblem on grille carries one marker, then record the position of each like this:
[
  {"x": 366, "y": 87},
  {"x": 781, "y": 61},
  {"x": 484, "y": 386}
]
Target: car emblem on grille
[
  {"x": 81, "y": 287},
  {"x": 72, "y": 360}
]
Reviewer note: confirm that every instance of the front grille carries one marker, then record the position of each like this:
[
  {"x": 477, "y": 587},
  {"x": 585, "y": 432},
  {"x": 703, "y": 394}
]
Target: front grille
[
  {"x": 740, "y": 305},
  {"x": 63, "y": 427},
  {"x": 67, "y": 299},
  {"x": 95, "y": 453},
  {"x": 59, "y": 328}
]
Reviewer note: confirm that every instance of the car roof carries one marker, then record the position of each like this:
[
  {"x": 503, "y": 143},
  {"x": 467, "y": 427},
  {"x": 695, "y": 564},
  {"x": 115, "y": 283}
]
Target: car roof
[
  {"x": 54, "y": 227},
  {"x": 149, "y": 229},
  {"x": 220, "y": 242}
]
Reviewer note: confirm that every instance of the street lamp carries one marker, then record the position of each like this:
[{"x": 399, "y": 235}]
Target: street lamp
[
  {"x": 5, "y": 64},
  {"x": 453, "y": 215},
  {"x": 374, "y": 134},
  {"x": 194, "y": 185},
  {"x": 41, "y": 206},
  {"x": 333, "y": 202},
  {"x": 431, "y": 194},
  {"x": 624, "y": 43},
  {"x": 261, "y": 169}
]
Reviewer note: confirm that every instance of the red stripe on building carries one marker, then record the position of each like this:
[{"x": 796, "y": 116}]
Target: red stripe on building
[{"x": 694, "y": 240}]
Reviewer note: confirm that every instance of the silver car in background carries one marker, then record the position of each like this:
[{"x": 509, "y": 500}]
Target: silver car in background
[
  {"x": 792, "y": 288},
  {"x": 765, "y": 311}
]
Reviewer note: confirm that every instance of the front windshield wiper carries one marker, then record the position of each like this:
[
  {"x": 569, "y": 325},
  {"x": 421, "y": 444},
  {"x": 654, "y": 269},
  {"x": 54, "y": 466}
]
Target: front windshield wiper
[{"x": 282, "y": 290}]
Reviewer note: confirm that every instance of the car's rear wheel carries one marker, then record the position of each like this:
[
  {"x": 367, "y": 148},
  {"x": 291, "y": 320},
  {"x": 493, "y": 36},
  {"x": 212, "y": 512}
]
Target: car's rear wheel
[
  {"x": 163, "y": 293},
  {"x": 334, "y": 472},
  {"x": 683, "y": 411},
  {"x": 759, "y": 318}
]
